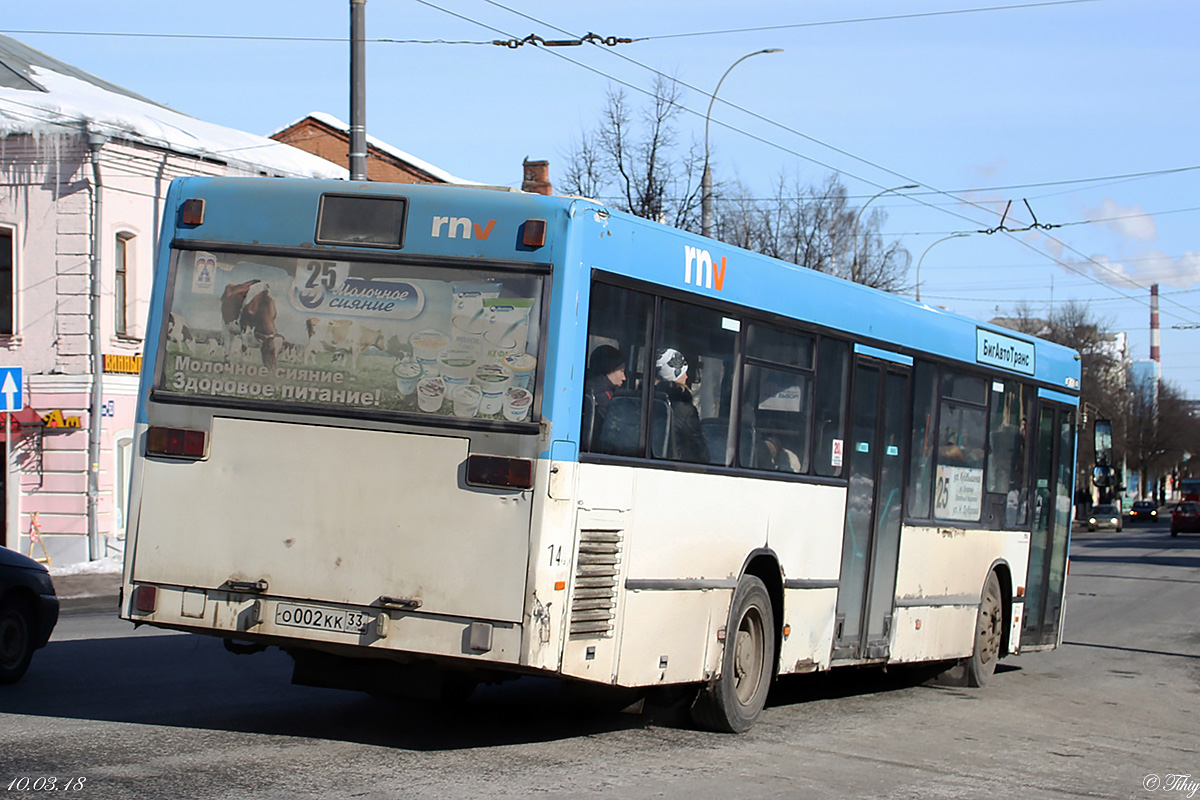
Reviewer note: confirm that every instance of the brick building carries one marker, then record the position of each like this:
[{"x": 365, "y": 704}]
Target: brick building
[
  {"x": 84, "y": 168},
  {"x": 328, "y": 137}
]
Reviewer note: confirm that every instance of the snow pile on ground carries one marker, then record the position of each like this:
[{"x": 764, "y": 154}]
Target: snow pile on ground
[{"x": 108, "y": 565}]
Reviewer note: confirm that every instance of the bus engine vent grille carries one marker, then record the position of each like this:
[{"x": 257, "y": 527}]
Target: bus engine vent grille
[{"x": 593, "y": 607}]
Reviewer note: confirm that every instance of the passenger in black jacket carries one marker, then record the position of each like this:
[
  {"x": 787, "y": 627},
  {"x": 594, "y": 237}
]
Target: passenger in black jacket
[
  {"x": 605, "y": 374},
  {"x": 686, "y": 435}
]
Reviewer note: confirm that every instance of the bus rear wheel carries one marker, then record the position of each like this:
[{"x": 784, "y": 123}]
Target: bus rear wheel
[
  {"x": 734, "y": 700},
  {"x": 989, "y": 628}
]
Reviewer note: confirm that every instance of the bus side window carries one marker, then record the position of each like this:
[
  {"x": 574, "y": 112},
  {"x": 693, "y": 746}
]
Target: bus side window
[
  {"x": 615, "y": 362},
  {"x": 693, "y": 374},
  {"x": 920, "y": 473},
  {"x": 962, "y": 436},
  {"x": 776, "y": 400},
  {"x": 833, "y": 379},
  {"x": 1008, "y": 449}
]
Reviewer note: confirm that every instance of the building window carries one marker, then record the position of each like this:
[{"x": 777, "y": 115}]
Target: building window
[
  {"x": 124, "y": 457},
  {"x": 7, "y": 292},
  {"x": 121, "y": 258}
]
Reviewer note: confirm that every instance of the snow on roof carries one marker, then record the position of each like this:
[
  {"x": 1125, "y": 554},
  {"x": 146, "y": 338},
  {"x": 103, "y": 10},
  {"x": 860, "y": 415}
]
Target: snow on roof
[
  {"x": 395, "y": 152},
  {"x": 46, "y": 96}
]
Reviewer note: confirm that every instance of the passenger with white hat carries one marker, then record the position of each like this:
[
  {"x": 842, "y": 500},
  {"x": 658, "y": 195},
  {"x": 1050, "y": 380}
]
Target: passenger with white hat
[{"x": 686, "y": 435}]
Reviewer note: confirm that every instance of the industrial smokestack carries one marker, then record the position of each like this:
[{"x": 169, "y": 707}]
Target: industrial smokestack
[{"x": 1155, "y": 335}]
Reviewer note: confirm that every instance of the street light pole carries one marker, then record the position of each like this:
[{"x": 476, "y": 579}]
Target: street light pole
[
  {"x": 706, "y": 179},
  {"x": 855, "y": 269},
  {"x": 927, "y": 249},
  {"x": 358, "y": 90}
]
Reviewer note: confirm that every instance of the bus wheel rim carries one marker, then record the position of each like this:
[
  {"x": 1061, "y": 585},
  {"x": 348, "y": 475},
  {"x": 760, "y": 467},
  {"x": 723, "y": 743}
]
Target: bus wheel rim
[
  {"x": 989, "y": 628},
  {"x": 748, "y": 657}
]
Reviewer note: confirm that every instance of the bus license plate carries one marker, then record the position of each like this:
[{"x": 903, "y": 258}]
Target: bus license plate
[{"x": 321, "y": 619}]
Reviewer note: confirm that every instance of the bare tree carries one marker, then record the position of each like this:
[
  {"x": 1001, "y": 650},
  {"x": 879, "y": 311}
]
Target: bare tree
[
  {"x": 1163, "y": 434},
  {"x": 1104, "y": 383},
  {"x": 634, "y": 160},
  {"x": 585, "y": 168},
  {"x": 813, "y": 226},
  {"x": 639, "y": 160}
]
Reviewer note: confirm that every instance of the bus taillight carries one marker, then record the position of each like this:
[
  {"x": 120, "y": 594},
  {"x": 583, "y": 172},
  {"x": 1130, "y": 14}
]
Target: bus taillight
[
  {"x": 174, "y": 442},
  {"x": 533, "y": 233},
  {"x": 508, "y": 473},
  {"x": 192, "y": 212},
  {"x": 145, "y": 599}
]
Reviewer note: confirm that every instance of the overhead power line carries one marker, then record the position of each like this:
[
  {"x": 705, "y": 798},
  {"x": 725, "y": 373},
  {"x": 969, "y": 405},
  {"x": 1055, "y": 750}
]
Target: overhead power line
[
  {"x": 594, "y": 39},
  {"x": 534, "y": 39},
  {"x": 886, "y": 18},
  {"x": 1097, "y": 265},
  {"x": 232, "y": 37}
]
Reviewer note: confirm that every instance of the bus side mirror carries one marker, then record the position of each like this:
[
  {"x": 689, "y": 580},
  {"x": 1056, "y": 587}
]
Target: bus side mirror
[{"x": 1102, "y": 476}]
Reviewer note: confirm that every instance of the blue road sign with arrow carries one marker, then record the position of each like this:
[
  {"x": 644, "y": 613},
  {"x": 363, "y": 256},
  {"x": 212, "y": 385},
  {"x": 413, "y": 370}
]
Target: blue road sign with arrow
[{"x": 10, "y": 389}]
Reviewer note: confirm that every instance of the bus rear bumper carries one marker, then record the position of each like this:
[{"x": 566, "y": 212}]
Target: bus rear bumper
[{"x": 344, "y": 629}]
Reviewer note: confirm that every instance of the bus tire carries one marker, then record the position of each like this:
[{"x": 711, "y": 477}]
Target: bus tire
[
  {"x": 989, "y": 629},
  {"x": 733, "y": 701}
]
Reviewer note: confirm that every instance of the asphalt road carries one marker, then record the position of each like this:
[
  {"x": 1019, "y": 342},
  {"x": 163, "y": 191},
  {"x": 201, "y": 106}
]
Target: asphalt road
[{"x": 1114, "y": 713}]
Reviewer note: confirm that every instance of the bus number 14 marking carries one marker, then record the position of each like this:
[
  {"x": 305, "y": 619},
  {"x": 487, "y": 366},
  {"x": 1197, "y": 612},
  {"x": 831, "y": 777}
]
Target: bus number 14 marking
[{"x": 555, "y": 555}]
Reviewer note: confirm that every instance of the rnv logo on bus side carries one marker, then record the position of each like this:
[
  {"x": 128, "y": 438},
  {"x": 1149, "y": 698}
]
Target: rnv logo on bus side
[
  {"x": 707, "y": 273},
  {"x": 463, "y": 225}
]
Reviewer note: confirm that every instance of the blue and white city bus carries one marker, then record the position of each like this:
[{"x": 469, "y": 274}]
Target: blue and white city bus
[{"x": 420, "y": 436}]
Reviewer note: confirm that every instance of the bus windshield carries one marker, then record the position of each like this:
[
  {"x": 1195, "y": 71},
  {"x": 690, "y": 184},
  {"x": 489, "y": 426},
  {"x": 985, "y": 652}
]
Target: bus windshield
[{"x": 345, "y": 337}]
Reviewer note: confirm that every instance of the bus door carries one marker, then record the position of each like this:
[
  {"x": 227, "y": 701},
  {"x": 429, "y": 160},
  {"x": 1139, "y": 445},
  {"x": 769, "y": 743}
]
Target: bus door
[
  {"x": 871, "y": 540},
  {"x": 1045, "y": 583}
]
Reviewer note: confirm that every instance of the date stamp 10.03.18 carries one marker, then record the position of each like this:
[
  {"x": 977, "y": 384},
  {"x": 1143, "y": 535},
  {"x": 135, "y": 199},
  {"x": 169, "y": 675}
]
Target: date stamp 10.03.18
[{"x": 51, "y": 783}]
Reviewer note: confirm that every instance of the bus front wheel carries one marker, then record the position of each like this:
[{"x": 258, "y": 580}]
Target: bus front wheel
[
  {"x": 734, "y": 700},
  {"x": 989, "y": 628}
]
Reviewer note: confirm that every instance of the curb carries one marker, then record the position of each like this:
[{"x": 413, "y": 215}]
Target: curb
[{"x": 88, "y": 590}]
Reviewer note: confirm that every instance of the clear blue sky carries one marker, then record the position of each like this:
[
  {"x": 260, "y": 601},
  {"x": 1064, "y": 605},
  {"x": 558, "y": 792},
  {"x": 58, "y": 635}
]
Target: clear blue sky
[{"x": 980, "y": 105}]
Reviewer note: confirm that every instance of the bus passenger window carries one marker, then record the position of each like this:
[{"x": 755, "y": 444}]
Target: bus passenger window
[
  {"x": 962, "y": 432},
  {"x": 617, "y": 346},
  {"x": 1008, "y": 449},
  {"x": 833, "y": 380},
  {"x": 920, "y": 473},
  {"x": 776, "y": 414},
  {"x": 693, "y": 373},
  {"x": 776, "y": 401}
]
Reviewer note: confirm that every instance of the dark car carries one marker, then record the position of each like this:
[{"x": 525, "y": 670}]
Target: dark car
[
  {"x": 1104, "y": 516},
  {"x": 1185, "y": 518},
  {"x": 28, "y": 612},
  {"x": 1144, "y": 509}
]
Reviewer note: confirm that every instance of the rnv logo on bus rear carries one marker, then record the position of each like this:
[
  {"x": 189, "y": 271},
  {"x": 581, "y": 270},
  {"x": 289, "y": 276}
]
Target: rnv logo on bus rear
[
  {"x": 707, "y": 274},
  {"x": 461, "y": 225}
]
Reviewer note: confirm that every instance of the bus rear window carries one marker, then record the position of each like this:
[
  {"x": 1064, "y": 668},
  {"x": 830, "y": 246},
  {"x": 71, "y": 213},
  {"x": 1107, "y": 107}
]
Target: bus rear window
[
  {"x": 361, "y": 221},
  {"x": 345, "y": 336}
]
